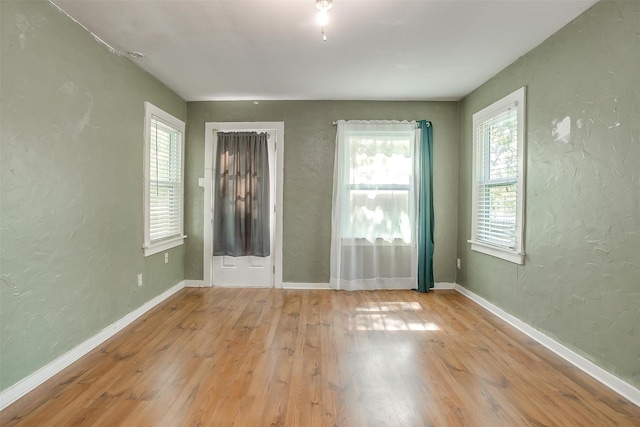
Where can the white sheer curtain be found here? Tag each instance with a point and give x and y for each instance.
(374, 232)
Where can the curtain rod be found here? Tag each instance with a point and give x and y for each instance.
(244, 130)
(428, 123)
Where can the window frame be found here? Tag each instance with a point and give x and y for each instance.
(515, 254)
(151, 247)
(410, 188)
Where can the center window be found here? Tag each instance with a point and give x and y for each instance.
(380, 192)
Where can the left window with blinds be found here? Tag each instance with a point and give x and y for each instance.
(164, 180)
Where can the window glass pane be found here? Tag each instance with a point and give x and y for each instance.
(497, 214)
(499, 139)
(164, 211)
(380, 214)
(165, 159)
(380, 159)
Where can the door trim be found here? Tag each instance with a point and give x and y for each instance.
(209, 128)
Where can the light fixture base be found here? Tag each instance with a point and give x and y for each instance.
(324, 4)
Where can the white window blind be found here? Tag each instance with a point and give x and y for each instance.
(498, 174)
(164, 188)
(165, 181)
(497, 167)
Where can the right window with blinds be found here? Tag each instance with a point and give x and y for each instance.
(498, 178)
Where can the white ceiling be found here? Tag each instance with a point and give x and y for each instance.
(273, 49)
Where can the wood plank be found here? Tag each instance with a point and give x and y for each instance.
(252, 357)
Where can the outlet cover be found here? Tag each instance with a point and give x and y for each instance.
(140, 279)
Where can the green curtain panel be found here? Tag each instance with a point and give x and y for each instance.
(425, 208)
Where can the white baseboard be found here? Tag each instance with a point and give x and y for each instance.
(237, 286)
(24, 386)
(311, 286)
(193, 283)
(443, 285)
(305, 286)
(614, 383)
(321, 286)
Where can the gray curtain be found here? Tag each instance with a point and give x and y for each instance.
(241, 217)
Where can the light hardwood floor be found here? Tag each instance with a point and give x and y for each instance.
(250, 357)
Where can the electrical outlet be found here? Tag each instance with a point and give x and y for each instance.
(166, 257)
(459, 263)
(140, 279)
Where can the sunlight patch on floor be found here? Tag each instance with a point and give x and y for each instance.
(390, 306)
(389, 316)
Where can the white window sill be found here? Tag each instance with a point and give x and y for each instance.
(508, 255)
(163, 245)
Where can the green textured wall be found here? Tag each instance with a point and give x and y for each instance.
(580, 282)
(308, 175)
(71, 187)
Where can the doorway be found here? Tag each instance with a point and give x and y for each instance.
(244, 271)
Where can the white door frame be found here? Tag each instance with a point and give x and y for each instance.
(276, 250)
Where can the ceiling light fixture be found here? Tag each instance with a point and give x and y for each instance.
(135, 55)
(323, 17)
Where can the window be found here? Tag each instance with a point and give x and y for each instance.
(164, 189)
(379, 194)
(373, 223)
(498, 178)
